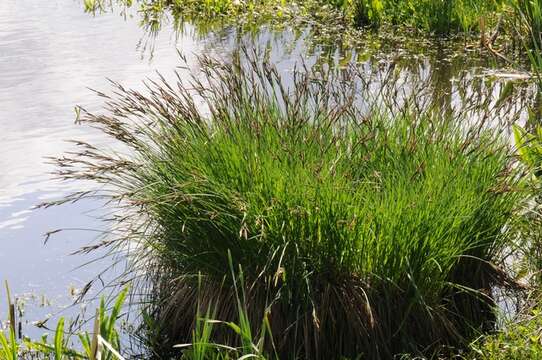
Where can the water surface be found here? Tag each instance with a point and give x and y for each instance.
(51, 52)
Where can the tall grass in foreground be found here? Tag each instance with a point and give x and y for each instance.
(359, 231)
(101, 344)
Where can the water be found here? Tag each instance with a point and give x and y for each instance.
(51, 52)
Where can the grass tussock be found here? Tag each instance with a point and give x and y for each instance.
(357, 230)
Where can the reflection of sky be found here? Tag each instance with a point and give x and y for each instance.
(51, 52)
(34, 269)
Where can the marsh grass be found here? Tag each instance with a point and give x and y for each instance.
(442, 17)
(437, 16)
(251, 345)
(530, 21)
(361, 230)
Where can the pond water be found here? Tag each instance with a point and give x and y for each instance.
(51, 53)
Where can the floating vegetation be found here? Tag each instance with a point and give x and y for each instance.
(436, 16)
(478, 29)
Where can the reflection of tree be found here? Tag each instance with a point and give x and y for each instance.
(327, 29)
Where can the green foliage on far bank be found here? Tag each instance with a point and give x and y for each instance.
(439, 16)
(432, 16)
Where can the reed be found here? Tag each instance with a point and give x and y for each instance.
(530, 15)
(437, 16)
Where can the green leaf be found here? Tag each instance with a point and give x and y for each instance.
(84, 338)
(59, 339)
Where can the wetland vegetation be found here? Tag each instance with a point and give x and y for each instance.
(321, 212)
(493, 22)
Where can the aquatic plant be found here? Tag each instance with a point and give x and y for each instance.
(529, 148)
(528, 32)
(435, 16)
(439, 16)
(251, 345)
(520, 339)
(530, 15)
(102, 344)
(359, 230)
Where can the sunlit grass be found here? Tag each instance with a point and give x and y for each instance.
(357, 231)
(439, 16)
